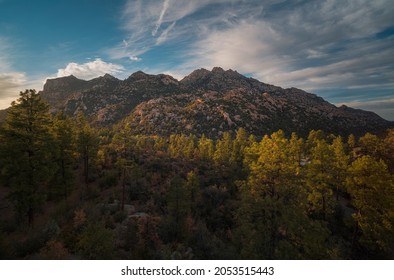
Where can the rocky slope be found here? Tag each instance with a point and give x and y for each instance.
(208, 102)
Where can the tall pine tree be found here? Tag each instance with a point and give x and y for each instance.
(26, 152)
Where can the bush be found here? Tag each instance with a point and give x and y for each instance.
(37, 240)
(96, 242)
(54, 250)
(109, 179)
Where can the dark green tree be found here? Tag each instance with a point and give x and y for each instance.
(26, 152)
(64, 155)
(178, 204)
(340, 165)
(371, 187)
(193, 188)
(88, 144)
(237, 152)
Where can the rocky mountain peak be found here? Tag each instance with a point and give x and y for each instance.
(139, 75)
(109, 77)
(196, 75)
(219, 80)
(105, 80)
(217, 70)
(63, 83)
(202, 75)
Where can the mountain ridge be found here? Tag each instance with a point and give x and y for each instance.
(204, 102)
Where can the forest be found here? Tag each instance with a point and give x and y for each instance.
(69, 190)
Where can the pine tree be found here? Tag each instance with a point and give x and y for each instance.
(88, 143)
(178, 204)
(124, 145)
(64, 135)
(223, 150)
(389, 142)
(205, 148)
(372, 145)
(372, 190)
(26, 152)
(237, 151)
(340, 164)
(193, 187)
(272, 219)
(319, 177)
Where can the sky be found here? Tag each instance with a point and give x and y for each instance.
(342, 50)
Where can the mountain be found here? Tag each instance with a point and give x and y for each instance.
(106, 98)
(208, 102)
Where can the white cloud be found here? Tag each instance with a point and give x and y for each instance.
(246, 47)
(91, 69)
(135, 58)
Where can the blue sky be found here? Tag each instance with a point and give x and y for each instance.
(342, 50)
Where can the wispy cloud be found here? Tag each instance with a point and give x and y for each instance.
(89, 70)
(160, 19)
(150, 23)
(5, 50)
(314, 45)
(302, 45)
(163, 36)
(309, 44)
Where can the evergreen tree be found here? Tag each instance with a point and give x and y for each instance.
(389, 142)
(223, 150)
(371, 187)
(193, 187)
(205, 148)
(319, 177)
(26, 152)
(340, 164)
(123, 143)
(237, 151)
(88, 143)
(64, 135)
(178, 204)
(296, 150)
(272, 219)
(372, 145)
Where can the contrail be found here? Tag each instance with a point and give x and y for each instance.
(160, 20)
